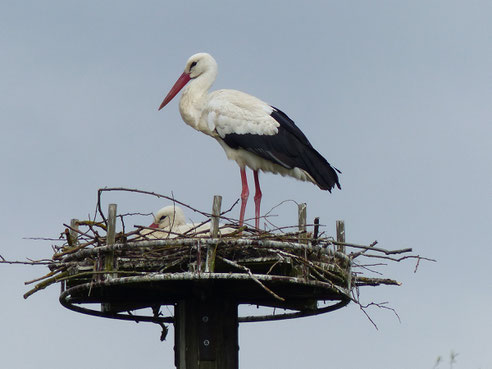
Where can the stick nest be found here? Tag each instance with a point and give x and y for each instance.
(83, 255)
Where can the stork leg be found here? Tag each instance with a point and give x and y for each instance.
(244, 195)
(258, 195)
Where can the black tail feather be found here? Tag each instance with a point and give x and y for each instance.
(323, 173)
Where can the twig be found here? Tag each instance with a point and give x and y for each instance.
(387, 252)
(96, 272)
(73, 249)
(367, 316)
(85, 234)
(232, 207)
(399, 259)
(98, 206)
(91, 223)
(380, 305)
(313, 266)
(31, 262)
(247, 270)
(355, 254)
(365, 281)
(44, 284)
(42, 239)
(107, 189)
(44, 277)
(418, 262)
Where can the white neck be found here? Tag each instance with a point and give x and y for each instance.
(194, 98)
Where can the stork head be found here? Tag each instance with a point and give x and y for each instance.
(167, 217)
(200, 63)
(196, 66)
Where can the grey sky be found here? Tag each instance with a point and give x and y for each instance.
(396, 95)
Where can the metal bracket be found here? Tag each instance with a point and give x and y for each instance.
(206, 333)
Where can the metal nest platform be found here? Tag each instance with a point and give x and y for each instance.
(149, 274)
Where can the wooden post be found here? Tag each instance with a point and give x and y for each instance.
(110, 240)
(74, 236)
(301, 209)
(316, 231)
(206, 333)
(110, 237)
(341, 248)
(214, 225)
(72, 241)
(341, 235)
(302, 216)
(214, 232)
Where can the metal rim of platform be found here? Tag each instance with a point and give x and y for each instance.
(65, 296)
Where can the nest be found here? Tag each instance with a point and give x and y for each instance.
(280, 268)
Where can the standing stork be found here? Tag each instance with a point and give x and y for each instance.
(253, 133)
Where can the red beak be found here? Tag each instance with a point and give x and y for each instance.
(154, 225)
(180, 83)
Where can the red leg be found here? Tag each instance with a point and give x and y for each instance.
(244, 196)
(257, 200)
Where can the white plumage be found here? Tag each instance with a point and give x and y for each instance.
(170, 222)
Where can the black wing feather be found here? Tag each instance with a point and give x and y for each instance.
(289, 148)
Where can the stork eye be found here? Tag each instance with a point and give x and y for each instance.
(162, 218)
(192, 65)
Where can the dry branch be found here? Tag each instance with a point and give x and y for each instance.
(247, 270)
(45, 283)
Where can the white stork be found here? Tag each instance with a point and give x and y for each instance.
(170, 222)
(253, 133)
(169, 218)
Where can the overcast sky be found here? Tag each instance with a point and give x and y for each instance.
(395, 94)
